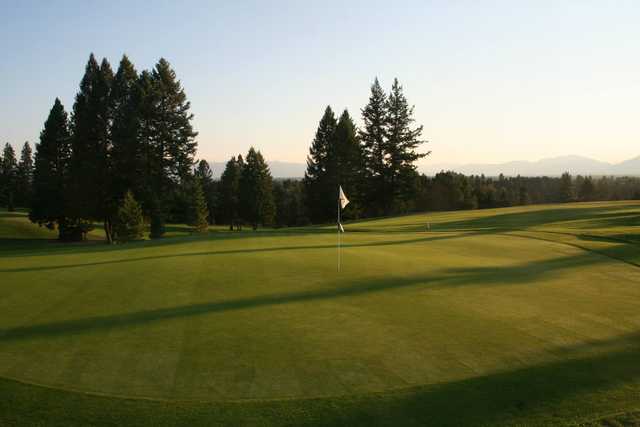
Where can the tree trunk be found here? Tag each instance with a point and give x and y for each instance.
(108, 230)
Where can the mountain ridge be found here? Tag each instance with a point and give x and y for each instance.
(550, 166)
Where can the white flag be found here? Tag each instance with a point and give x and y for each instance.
(342, 198)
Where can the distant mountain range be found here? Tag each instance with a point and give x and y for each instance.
(554, 166)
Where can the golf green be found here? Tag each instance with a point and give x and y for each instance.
(517, 315)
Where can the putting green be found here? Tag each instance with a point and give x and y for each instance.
(240, 317)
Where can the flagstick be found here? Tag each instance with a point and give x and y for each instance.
(339, 238)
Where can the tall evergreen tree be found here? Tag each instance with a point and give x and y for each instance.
(90, 187)
(205, 175)
(374, 138)
(256, 191)
(25, 175)
(198, 211)
(400, 149)
(318, 190)
(52, 159)
(155, 186)
(346, 166)
(229, 191)
(167, 138)
(8, 176)
(126, 151)
(175, 134)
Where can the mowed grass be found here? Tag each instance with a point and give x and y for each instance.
(527, 315)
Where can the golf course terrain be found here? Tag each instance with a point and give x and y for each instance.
(514, 316)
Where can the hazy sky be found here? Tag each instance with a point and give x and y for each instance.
(491, 81)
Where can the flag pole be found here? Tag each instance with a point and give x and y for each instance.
(338, 227)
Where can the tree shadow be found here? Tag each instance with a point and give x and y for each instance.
(588, 381)
(42, 246)
(494, 276)
(421, 239)
(530, 393)
(536, 218)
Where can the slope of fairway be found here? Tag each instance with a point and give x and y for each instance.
(519, 315)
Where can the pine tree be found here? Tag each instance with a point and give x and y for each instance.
(25, 175)
(167, 140)
(335, 158)
(318, 191)
(126, 151)
(8, 176)
(374, 140)
(90, 186)
(154, 184)
(204, 174)
(256, 191)
(52, 158)
(199, 214)
(129, 221)
(346, 155)
(175, 135)
(400, 150)
(229, 189)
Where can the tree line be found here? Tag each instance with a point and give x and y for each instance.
(449, 190)
(453, 191)
(15, 176)
(125, 158)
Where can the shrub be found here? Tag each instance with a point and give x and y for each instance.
(129, 223)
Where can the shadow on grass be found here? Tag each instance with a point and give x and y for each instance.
(551, 394)
(237, 251)
(625, 251)
(603, 216)
(536, 218)
(577, 388)
(12, 247)
(628, 238)
(492, 276)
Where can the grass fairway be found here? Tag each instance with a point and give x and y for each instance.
(526, 315)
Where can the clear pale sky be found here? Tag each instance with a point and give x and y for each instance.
(491, 81)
